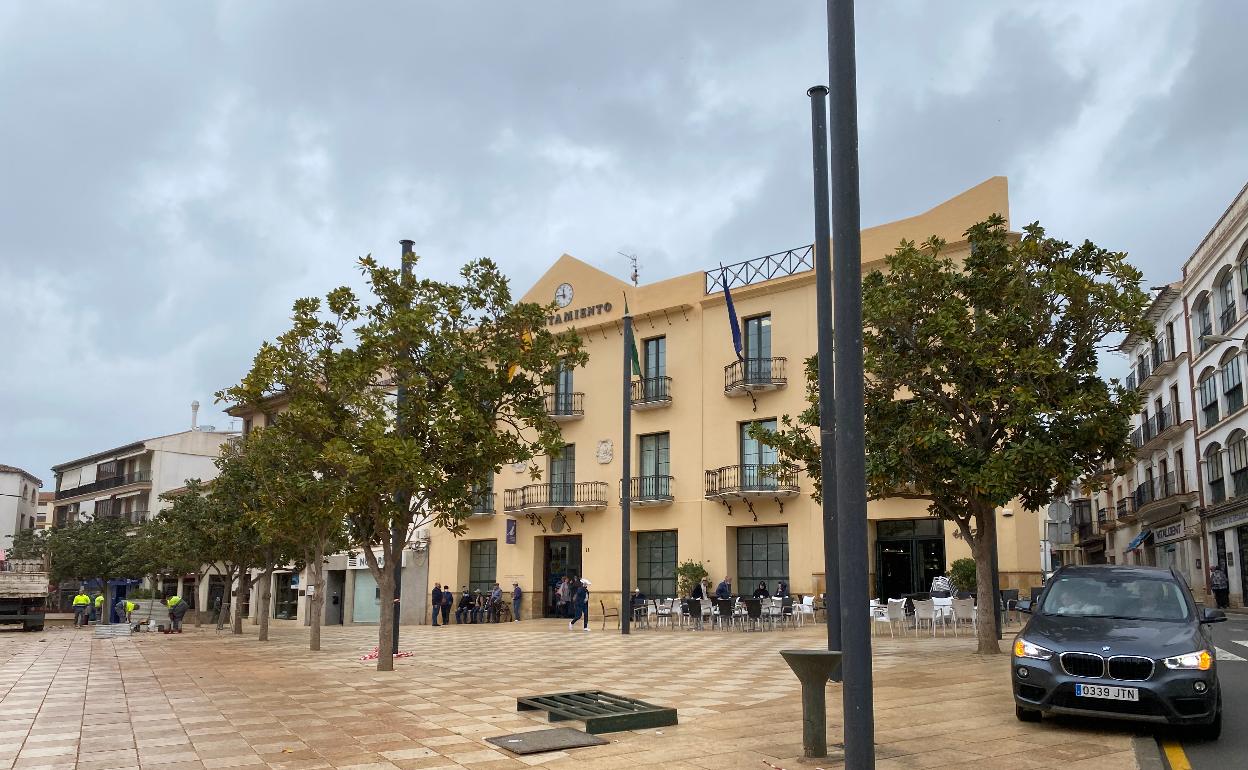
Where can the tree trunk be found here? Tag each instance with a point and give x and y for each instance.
(983, 546)
(199, 611)
(385, 589)
(242, 584)
(266, 591)
(316, 573)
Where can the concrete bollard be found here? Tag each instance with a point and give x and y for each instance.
(813, 667)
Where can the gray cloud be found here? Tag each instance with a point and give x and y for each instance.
(174, 175)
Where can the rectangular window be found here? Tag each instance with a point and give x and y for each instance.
(1208, 401)
(654, 357)
(285, 596)
(758, 348)
(1238, 450)
(1226, 298)
(656, 564)
(482, 565)
(655, 465)
(1203, 323)
(563, 474)
(1213, 472)
(1243, 282)
(1233, 386)
(762, 556)
(757, 459)
(563, 389)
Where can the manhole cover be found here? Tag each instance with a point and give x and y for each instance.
(539, 741)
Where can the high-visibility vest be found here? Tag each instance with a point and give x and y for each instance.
(131, 606)
(82, 600)
(99, 601)
(174, 601)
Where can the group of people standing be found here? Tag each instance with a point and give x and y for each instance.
(474, 606)
(572, 600)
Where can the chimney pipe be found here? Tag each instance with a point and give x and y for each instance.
(194, 414)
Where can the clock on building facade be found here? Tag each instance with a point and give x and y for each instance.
(563, 295)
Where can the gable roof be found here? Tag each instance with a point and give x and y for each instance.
(19, 471)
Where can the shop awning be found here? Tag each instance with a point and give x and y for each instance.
(1139, 539)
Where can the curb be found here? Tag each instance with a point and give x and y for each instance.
(1148, 754)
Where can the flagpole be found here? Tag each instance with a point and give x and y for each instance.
(626, 461)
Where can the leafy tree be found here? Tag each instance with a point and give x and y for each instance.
(981, 379)
(688, 574)
(29, 544)
(962, 574)
(474, 365)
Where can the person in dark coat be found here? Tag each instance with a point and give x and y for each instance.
(437, 602)
(761, 591)
(724, 589)
(464, 609)
(581, 602)
(782, 589)
(448, 599)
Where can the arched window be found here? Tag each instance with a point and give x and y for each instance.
(1232, 382)
(1242, 269)
(1214, 474)
(1208, 392)
(1237, 453)
(1226, 301)
(1202, 320)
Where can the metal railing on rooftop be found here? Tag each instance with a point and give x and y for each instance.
(764, 268)
(138, 477)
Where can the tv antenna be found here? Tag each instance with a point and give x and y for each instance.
(631, 258)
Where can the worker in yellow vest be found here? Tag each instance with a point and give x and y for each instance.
(177, 609)
(99, 608)
(82, 607)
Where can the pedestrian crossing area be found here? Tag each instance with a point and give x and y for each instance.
(1224, 655)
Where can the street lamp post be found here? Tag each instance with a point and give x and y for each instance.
(401, 498)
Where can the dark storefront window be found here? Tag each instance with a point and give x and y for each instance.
(285, 595)
(909, 553)
(482, 565)
(762, 555)
(656, 564)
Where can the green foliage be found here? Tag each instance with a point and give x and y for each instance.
(962, 574)
(93, 549)
(29, 544)
(688, 574)
(981, 377)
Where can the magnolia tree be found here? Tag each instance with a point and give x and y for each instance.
(472, 365)
(981, 379)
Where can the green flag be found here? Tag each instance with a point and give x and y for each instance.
(632, 346)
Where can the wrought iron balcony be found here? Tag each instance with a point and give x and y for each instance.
(482, 504)
(759, 269)
(1130, 383)
(1154, 495)
(1162, 353)
(138, 477)
(738, 482)
(652, 392)
(649, 491)
(1124, 509)
(563, 407)
(557, 496)
(754, 374)
(1226, 319)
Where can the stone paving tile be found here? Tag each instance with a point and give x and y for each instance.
(204, 700)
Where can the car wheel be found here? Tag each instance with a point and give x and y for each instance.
(1026, 715)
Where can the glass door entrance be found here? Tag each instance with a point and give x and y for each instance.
(562, 558)
(909, 554)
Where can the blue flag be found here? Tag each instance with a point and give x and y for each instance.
(732, 314)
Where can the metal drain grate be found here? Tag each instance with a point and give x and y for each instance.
(602, 712)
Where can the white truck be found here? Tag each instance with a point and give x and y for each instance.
(23, 593)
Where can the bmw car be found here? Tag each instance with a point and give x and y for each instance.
(1120, 642)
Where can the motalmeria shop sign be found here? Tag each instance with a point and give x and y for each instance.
(568, 316)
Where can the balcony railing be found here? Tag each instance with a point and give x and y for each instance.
(1226, 319)
(138, 477)
(1124, 509)
(759, 269)
(650, 490)
(752, 374)
(651, 392)
(482, 504)
(1142, 369)
(565, 406)
(577, 496)
(1162, 353)
(1130, 383)
(741, 481)
(1160, 488)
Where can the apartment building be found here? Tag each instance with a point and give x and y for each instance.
(127, 481)
(43, 513)
(700, 487)
(19, 500)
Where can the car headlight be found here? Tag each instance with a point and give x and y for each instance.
(1025, 649)
(1200, 660)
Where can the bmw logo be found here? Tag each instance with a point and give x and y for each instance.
(1104, 649)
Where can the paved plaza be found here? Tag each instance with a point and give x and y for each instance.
(209, 700)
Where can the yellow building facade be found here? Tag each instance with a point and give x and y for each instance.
(701, 489)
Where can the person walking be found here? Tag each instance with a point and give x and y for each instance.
(82, 608)
(516, 596)
(1221, 586)
(464, 608)
(436, 603)
(448, 599)
(580, 600)
(177, 611)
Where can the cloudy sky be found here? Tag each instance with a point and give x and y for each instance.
(172, 175)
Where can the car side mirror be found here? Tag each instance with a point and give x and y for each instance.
(1212, 616)
(1023, 605)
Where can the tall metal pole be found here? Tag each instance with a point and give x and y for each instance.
(397, 535)
(626, 502)
(851, 478)
(827, 403)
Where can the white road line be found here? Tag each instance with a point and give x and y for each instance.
(1224, 656)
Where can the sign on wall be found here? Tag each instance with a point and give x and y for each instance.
(511, 532)
(1172, 531)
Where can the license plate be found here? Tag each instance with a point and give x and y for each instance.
(1109, 693)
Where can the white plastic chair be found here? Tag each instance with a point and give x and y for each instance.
(963, 612)
(804, 610)
(925, 612)
(896, 614)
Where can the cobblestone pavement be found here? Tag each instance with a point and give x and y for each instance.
(209, 700)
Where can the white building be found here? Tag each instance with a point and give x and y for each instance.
(1216, 295)
(127, 481)
(19, 499)
(43, 514)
